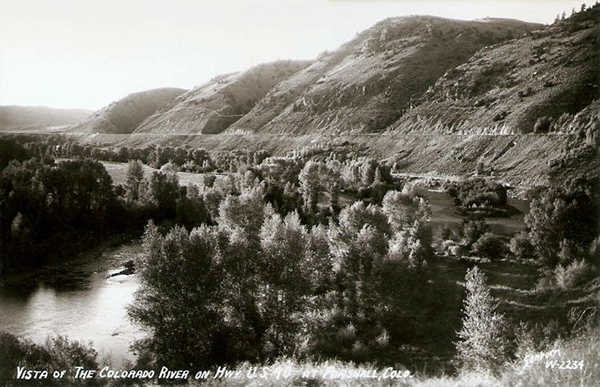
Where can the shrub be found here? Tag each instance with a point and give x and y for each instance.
(473, 229)
(489, 246)
(542, 125)
(576, 273)
(57, 353)
(521, 246)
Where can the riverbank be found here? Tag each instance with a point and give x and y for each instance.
(73, 272)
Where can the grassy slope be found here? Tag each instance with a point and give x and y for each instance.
(125, 115)
(215, 105)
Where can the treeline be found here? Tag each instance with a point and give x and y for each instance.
(563, 233)
(49, 209)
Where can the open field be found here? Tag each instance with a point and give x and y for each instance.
(118, 173)
(445, 213)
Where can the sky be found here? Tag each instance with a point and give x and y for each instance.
(88, 53)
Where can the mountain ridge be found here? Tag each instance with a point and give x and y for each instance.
(365, 84)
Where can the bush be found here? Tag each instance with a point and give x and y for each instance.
(473, 229)
(576, 273)
(57, 353)
(489, 246)
(521, 246)
(542, 125)
(478, 194)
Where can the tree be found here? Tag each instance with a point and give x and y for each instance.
(179, 298)
(285, 280)
(135, 179)
(558, 214)
(482, 345)
(310, 185)
(164, 192)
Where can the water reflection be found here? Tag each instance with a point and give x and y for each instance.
(89, 309)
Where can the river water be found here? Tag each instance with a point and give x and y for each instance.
(93, 308)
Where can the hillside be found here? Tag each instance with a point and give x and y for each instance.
(38, 118)
(124, 116)
(215, 105)
(538, 83)
(431, 96)
(367, 83)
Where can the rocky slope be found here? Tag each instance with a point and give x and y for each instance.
(40, 118)
(369, 82)
(537, 83)
(215, 105)
(124, 115)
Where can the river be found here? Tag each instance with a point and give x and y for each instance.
(86, 304)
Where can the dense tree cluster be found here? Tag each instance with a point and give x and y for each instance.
(478, 195)
(563, 222)
(258, 285)
(48, 209)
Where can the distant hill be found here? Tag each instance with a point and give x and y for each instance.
(38, 118)
(215, 105)
(124, 115)
(368, 83)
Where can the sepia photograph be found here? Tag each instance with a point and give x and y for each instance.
(325, 193)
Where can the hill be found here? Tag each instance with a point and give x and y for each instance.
(431, 96)
(38, 118)
(124, 116)
(537, 83)
(369, 82)
(215, 105)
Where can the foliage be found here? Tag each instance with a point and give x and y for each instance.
(472, 230)
(521, 247)
(57, 353)
(564, 220)
(179, 297)
(489, 246)
(482, 344)
(478, 195)
(10, 150)
(135, 179)
(163, 191)
(48, 208)
(574, 274)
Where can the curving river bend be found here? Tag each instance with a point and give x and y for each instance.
(86, 304)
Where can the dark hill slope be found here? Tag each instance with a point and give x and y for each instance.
(369, 82)
(17, 118)
(215, 105)
(546, 78)
(124, 115)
